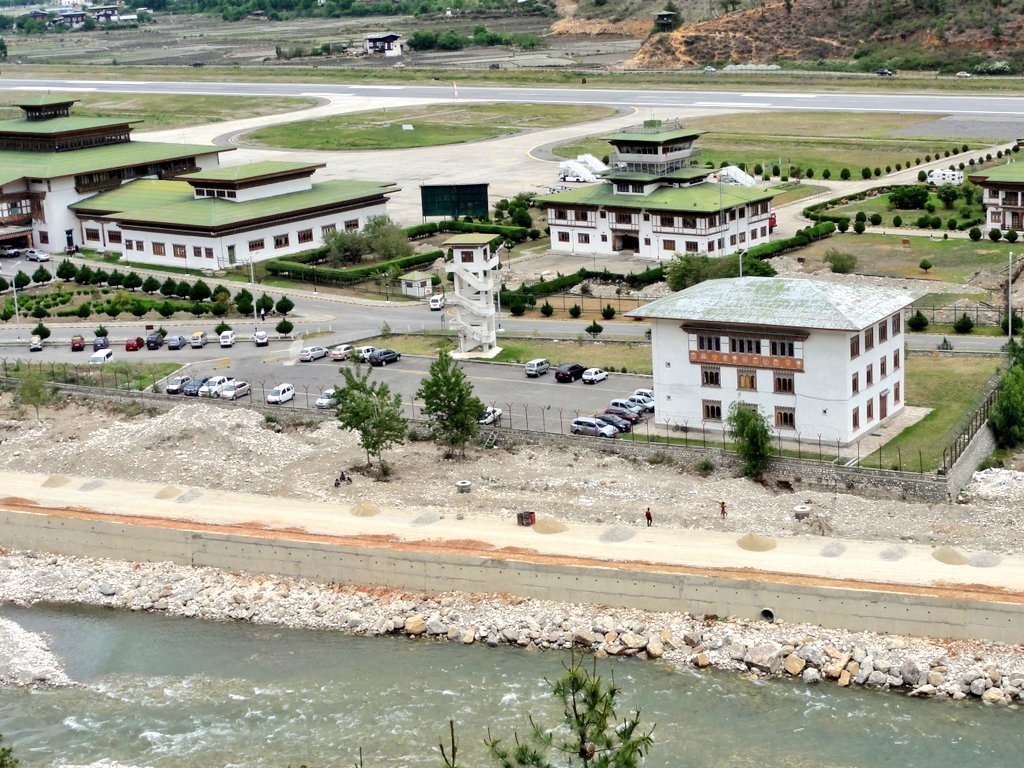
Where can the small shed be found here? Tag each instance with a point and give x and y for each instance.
(388, 43)
(665, 21)
(417, 285)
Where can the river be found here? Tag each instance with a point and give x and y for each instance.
(165, 691)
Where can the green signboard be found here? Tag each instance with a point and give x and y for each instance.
(454, 200)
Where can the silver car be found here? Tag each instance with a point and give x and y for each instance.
(235, 389)
(587, 425)
(328, 399)
(32, 254)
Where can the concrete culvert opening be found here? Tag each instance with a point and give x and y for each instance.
(767, 614)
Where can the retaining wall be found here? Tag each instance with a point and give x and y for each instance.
(981, 445)
(877, 611)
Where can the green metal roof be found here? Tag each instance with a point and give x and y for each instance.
(219, 213)
(413, 276)
(19, 164)
(55, 125)
(1013, 172)
(471, 238)
(251, 171)
(655, 137)
(45, 100)
(699, 198)
(135, 195)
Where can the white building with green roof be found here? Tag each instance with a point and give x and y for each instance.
(656, 201)
(50, 159)
(818, 359)
(1003, 197)
(224, 216)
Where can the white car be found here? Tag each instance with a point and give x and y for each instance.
(342, 352)
(282, 393)
(234, 389)
(963, 74)
(594, 375)
(328, 399)
(437, 302)
(101, 357)
(227, 339)
(32, 254)
(309, 354)
(364, 353)
(261, 339)
(214, 386)
(643, 402)
(648, 393)
(491, 416)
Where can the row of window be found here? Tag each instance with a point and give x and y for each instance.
(869, 372)
(785, 417)
(689, 246)
(783, 382)
(869, 408)
(743, 345)
(685, 222)
(229, 193)
(895, 322)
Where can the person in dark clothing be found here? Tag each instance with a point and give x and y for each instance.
(649, 517)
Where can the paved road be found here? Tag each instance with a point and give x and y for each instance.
(701, 99)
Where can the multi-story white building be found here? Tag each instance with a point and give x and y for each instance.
(472, 302)
(1003, 196)
(656, 201)
(818, 359)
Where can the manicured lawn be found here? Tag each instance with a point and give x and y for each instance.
(160, 111)
(880, 204)
(432, 125)
(953, 260)
(789, 192)
(951, 386)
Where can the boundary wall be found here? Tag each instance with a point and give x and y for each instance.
(876, 610)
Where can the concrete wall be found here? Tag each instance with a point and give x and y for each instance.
(894, 613)
(981, 445)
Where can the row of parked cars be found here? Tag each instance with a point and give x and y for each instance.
(620, 416)
(225, 388)
(156, 340)
(29, 254)
(567, 372)
(370, 355)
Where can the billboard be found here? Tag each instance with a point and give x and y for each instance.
(454, 200)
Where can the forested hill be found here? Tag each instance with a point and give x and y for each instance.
(233, 10)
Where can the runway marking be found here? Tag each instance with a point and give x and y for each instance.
(315, 95)
(381, 87)
(729, 104)
(38, 88)
(780, 95)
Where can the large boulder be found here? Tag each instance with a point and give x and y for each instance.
(794, 665)
(416, 625)
(766, 657)
(913, 672)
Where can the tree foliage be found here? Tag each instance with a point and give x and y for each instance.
(590, 734)
(35, 393)
(451, 406)
(688, 269)
(840, 262)
(947, 194)
(7, 758)
(369, 409)
(1006, 417)
(749, 429)
(911, 197)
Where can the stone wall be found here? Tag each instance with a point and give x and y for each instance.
(981, 445)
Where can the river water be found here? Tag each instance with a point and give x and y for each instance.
(164, 691)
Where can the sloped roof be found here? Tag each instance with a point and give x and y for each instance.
(707, 197)
(779, 301)
(250, 171)
(139, 194)
(55, 125)
(1011, 172)
(471, 238)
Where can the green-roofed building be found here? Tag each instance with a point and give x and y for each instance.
(1004, 196)
(51, 159)
(656, 200)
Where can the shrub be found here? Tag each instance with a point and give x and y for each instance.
(930, 207)
(101, 330)
(951, 224)
(876, 219)
(221, 327)
(865, 173)
(923, 221)
(284, 327)
(776, 171)
(974, 234)
(899, 166)
(963, 324)
(1011, 236)
(922, 176)
(906, 198)
(810, 173)
(758, 169)
(858, 227)
(861, 216)
(917, 322)
(594, 329)
(575, 311)
(1018, 323)
(925, 265)
(826, 174)
(608, 312)
(878, 171)
(844, 174)
(41, 331)
(839, 262)
(994, 234)
(704, 466)
(935, 222)
(546, 309)
(843, 225)
(888, 169)
(897, 221)
(517, 306)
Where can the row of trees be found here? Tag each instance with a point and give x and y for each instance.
(450, 40)
(1007, 414)
(380, 236)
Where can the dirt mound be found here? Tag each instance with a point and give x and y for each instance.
(167, 492)
(753, 542)
(56, 481)
(549, 525)
(949, 556)
(366, 509)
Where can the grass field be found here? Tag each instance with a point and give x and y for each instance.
(123, 375)
(880, 204)
(432, 125)
(793, 191)
(952, 260)
(950, 386)
(162, 111)
(809, 140)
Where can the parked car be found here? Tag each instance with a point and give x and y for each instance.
(192, 388)
(384, 356)
(621, 402)
(621, 424)
(77, 343)
(594, 375)
(309, 354)
(35, 344)
(100, 342)
(436, 302)
(328, 399)
(101, 357)
(227, 339)
(491, 416)
(177, 385)
(176, 342)
(33, 254)
(537, 368)
(261, 339)
(648, 393)
(342, 352)
(883, 72)
(282, 393)
(709, 70)
(198, 340)
(642, 402)
(9, 252)
(213, 386)
(364, 353)
(569, 372)
(134, 343)
(155, 340)
(629, 415)
(588, 425)
(963, 74)
(234, 389)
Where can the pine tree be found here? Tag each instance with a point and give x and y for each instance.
(370, 409)
(451, 406)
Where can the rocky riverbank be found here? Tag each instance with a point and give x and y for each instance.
(993, 673)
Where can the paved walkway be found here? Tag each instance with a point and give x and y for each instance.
(792, 558)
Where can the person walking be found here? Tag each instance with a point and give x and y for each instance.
(721, 507)
(649, 517)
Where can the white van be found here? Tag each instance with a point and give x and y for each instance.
(198, 340)
(363, 353)
(227, 339)
(437, 302)
(101, 357)
(537, 367)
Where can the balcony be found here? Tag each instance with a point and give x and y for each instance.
(746, 361)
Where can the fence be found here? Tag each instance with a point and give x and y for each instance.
(959, 437)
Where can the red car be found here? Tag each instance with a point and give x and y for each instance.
(134, 344)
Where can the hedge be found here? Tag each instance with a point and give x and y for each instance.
(297, 269)
(799, 240)
(563, 282)
(517, 234)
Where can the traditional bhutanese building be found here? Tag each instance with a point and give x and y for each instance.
(1003, 198)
